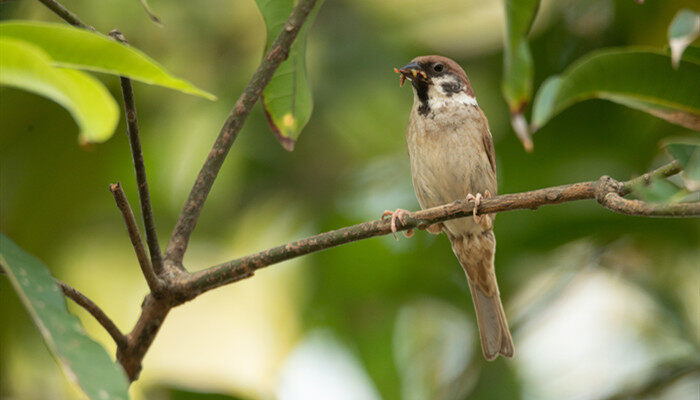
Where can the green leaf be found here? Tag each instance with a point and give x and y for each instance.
(83, 360)
(684, 29)
(687, 152)
(287, 98)
(638, 78)
(518, 67)
(81, 49)
(545, 100)
(28, 67)
(517, 59)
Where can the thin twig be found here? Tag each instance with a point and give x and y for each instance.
(278, 52)
(154, 283)
(95, 311)
(610, 193)
(244, 267)
(669, 169)
(614, 202)
(139, 168)
(67, 16)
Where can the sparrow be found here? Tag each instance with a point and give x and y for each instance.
(452, 157)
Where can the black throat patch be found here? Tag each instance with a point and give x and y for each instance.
(422, 92)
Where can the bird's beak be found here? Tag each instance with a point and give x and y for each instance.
(411, 71)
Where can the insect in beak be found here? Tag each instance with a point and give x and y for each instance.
(414, 70)
(403, 77)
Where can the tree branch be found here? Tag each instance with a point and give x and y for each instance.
(139, 340)
(67, 16)
(155, 310)
(89, 306)
(154, 283)
(278, 52)
(614, 202)
(132, 132)
(95, 311)
(245, 267)
(610, 193)
(133, 348)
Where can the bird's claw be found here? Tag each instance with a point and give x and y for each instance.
(484, 220)
(401, 215)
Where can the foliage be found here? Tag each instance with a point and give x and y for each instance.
(32, 52)
(636, 78)
(77, 48)
(83, 360)
(518, 66)
(287, 98)
(28, 67)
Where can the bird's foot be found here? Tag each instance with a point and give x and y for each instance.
(483, 220)
(401, 215)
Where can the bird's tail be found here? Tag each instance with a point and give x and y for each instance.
(476, 252)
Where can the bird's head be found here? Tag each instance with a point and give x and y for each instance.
(436, 79)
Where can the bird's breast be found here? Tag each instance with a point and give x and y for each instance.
(448, 159)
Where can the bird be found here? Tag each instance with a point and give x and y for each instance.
(453, 158)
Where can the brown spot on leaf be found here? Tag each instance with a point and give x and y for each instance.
(286, 142)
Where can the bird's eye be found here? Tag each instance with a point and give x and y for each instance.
(438, 67)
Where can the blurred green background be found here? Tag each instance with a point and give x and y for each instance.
(597, 302)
